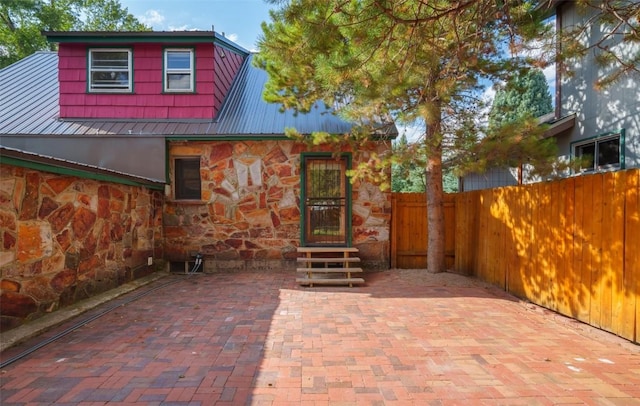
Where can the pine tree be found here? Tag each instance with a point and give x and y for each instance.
(411, 61)
(524, 96)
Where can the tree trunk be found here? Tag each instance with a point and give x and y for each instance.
(435, 195)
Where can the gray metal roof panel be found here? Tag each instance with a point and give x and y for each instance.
(29, 106)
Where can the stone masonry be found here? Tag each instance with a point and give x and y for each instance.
(66, 238)
(249, 216)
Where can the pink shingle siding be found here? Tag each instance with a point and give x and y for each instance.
(213, 79)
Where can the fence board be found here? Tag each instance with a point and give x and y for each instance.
(409, 230)
(570, 245)
(631, 309)
(595, 238)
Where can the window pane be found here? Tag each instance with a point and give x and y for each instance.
(178, 60)
(609, 152)
(110, 79)
(109, 70)
(104, 59)
(187, 178)
(586, 153)
(177, 81)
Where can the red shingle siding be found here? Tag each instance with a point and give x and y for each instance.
(147, 99)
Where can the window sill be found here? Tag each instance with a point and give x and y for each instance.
(187, 202)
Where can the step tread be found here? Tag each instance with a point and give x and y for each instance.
(333, 259)
(329, 281)
(328, 270)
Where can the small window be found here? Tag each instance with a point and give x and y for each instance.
(603, 153)
(110, 70)
(178, 70)
(187, 178)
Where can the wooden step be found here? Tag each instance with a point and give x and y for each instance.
(329, 281)
(316, 250)
(328, 270)
(333, 259)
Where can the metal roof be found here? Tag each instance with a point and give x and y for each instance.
(13, 156)
(29, 106)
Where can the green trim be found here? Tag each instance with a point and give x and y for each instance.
(86, 174)
(141, 37)
(233, 138)
(303, 193)
(164, 69)
(595, 138)
(131, 79)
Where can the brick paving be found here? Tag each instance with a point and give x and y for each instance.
(403, 338)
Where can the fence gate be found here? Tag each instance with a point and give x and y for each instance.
(409, 230)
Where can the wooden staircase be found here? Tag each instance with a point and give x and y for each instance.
(328, 266)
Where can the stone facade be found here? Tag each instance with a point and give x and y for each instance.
(66, 238)
(249, 215)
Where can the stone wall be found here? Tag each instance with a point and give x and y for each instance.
(65, 238)
(249, 216)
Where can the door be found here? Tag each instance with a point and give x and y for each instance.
(325, 201)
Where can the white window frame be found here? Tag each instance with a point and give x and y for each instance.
(97, 88)
(595, 142)
(191, 71)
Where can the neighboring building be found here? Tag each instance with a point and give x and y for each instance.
(600, 125)
(182, 110)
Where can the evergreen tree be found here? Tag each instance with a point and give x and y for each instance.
(22, 21)
(412, 60)
(523, 96)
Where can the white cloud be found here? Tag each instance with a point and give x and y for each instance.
(152, 18)
(181, 28)
(233, 37)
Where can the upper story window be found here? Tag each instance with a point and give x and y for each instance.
(179, 72)
(601, 153)
(110, 70)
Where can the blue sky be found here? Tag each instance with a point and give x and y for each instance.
(239, 20)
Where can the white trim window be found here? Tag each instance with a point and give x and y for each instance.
(179, 72)
(599, 154)
(110, 70)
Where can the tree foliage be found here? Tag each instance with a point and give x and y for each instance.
(525, 95)
(410, 60)
(616, 44)
(22, 21)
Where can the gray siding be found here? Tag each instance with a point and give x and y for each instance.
(598, 112)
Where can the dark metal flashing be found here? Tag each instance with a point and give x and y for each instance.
(12, 156)
(556, 126)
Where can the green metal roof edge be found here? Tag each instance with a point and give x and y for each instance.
(231, 138)
(85, 174)
(127, 37)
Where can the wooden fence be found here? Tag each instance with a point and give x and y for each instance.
(572, 245)
(409, 230)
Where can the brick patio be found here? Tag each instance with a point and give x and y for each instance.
(405, 337)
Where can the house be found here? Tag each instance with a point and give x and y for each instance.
(600, 126)
(163, 148)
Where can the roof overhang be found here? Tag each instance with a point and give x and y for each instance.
(17, 157)
(131, 37)
(556, 126)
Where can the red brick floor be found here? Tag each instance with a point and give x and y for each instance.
(403, 338)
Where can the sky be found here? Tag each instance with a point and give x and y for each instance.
(239, 20)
